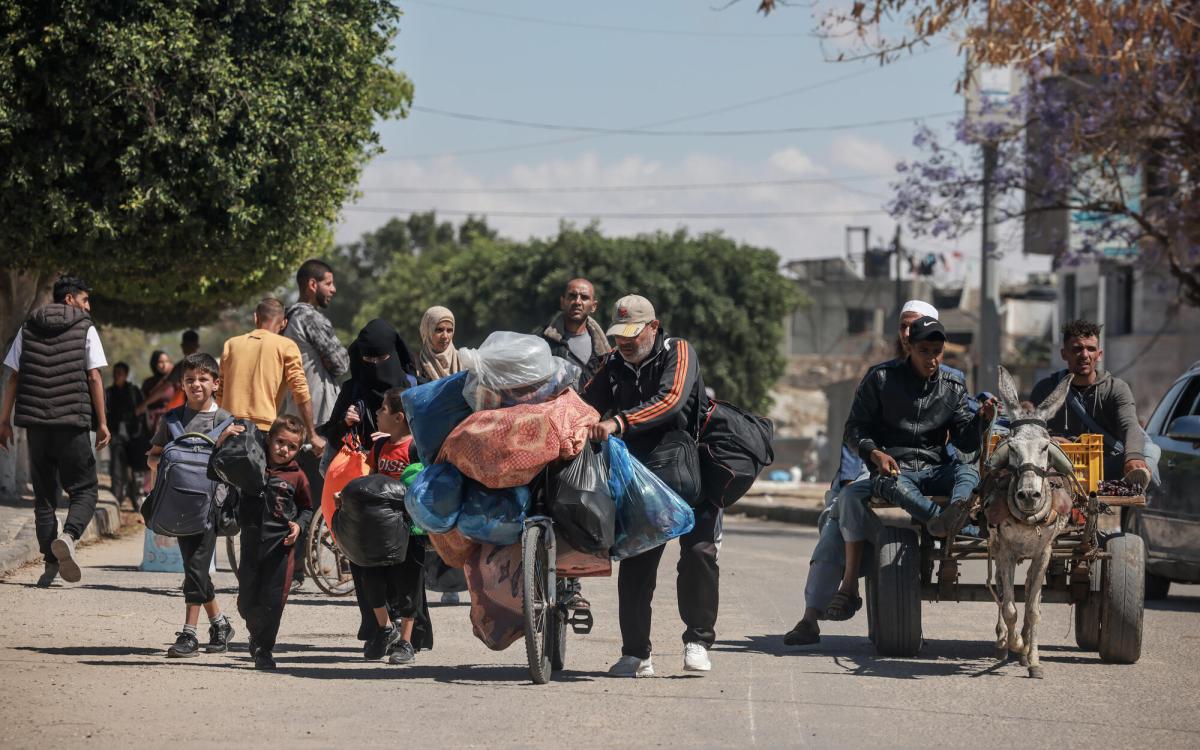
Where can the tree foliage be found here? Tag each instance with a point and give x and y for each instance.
(727, 299)
(183, 156)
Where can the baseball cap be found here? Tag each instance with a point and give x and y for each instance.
(630, 315)
(926, 329)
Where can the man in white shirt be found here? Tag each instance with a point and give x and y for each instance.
(58, 396)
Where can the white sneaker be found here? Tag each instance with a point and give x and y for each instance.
(695, 658)
(631, 666)
(64, 549)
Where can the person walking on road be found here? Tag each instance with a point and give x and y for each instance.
(58, 396)
(439, 359)
(649, 387)
(573, 334)
(325, 361)
(121, 400)
(258, 367)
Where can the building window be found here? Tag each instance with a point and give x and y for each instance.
(859, 320)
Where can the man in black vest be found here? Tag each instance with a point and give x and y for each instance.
(59, 398)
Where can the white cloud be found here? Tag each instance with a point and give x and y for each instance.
(865, 155)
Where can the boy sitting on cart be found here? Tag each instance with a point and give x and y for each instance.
(903, 413)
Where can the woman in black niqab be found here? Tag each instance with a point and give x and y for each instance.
(379, 360)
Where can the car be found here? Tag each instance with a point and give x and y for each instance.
(1170, 522)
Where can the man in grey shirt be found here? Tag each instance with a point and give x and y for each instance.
(325, 362)
(1098, 400)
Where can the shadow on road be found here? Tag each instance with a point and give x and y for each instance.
(93, 650)
(1175, 604)
(941, 658)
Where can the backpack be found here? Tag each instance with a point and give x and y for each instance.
(735, 446)
(181, 503)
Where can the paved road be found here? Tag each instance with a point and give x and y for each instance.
(84, 664)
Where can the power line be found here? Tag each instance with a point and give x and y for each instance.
(669, 187)
(618, 215)
(612, 27)
(677, 133)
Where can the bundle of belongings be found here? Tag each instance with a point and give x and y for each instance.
(507, 427)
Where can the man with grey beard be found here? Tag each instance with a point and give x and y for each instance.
(649, 390)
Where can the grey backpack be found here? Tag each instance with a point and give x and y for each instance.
(181, 503)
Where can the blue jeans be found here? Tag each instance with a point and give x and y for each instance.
(908, 490)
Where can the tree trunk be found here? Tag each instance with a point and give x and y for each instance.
(20, 293)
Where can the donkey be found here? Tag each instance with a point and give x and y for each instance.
(1026, 510)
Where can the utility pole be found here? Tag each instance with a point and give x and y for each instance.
(987, 375)
(898, 249)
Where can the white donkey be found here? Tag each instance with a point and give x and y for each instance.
(1026, 510)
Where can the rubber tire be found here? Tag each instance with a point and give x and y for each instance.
(871, 607)
(897, 592)
(537, 644)
(1157, 587)
(558, 641)
(1087, 615)
(1123, 589)
(312, 545)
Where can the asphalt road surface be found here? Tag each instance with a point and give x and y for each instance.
(84, 665)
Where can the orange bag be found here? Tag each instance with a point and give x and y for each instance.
(454, 548)
(495, 579)
(349, 463)
(502, 448)
(571, 563)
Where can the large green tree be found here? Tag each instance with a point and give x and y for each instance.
(726, 298)
(181, 155)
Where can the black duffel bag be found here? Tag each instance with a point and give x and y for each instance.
(583, 509)
(241, 461)
(675, 461)
(735, 446)
(371, 527)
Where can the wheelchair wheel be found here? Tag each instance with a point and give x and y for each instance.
(539, 606)
(324, 562)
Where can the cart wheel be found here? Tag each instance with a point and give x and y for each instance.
(1087, 615)
(538, 606)
(872, 608)
(231, 550)
(324, 562)
(1122, 589)
(897, 593)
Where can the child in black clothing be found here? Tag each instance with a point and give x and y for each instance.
(393, 592)
(270, 523)
(199, 413)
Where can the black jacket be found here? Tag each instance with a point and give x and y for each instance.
(910, 418)
(663, 393)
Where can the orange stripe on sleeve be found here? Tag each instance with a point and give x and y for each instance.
(672, 397)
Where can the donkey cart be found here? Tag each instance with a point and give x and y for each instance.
(1102, 574)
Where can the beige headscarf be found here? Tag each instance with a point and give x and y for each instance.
(433, 365)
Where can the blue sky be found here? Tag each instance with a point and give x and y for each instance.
(628, 64)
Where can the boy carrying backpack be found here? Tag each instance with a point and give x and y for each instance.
(182, 502)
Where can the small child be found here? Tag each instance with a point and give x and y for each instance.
(270, 523)
(199, 413)
(401, 587)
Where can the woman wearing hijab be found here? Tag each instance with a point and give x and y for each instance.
(379, 361)
(439, 359)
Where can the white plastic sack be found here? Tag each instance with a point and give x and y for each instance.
(514, 368)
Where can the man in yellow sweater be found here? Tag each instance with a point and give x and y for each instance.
(256, 368)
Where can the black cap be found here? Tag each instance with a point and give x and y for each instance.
(926, 329)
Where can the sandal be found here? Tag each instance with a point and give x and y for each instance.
(804, 634)
(843, 606)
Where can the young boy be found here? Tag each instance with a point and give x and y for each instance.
(121, 400)
(401, 587)
(199, 413)
(270, 523)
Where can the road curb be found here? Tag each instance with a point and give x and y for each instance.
(107, 522)
(804, 515)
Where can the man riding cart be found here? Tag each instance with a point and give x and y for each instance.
(904, 415)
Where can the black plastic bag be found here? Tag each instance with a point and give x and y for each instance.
(583, 509)
(241, 461)
(371, 527)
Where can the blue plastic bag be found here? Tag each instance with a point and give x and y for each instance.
(649, 513)
(435, 498)
(493, 516)
(433, 410)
